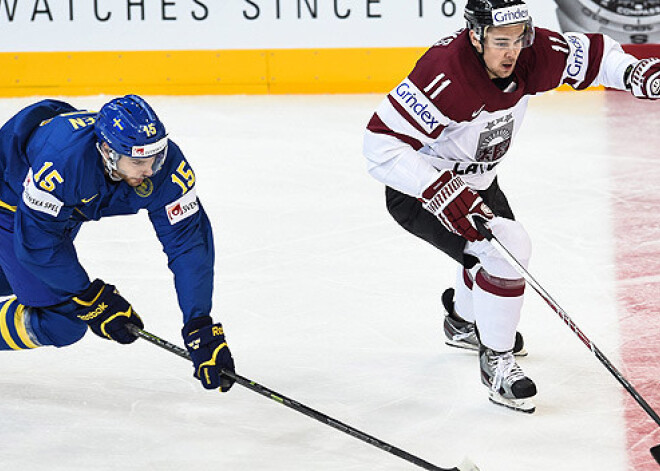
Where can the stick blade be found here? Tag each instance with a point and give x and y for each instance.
(655, 451)
(467, 465)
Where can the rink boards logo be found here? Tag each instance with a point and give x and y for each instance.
(417, 105)
(39, 200)
(182, 208)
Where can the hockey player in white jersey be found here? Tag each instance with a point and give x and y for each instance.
(436, 141)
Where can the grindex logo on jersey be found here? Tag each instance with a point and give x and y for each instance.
(575, 64)
(418, 106)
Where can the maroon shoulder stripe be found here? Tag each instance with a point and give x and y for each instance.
(377, 126)
(412, 122)
(596, 50)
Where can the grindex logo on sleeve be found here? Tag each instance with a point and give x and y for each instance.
(418, 106)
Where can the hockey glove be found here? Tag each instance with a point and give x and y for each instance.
(210, 354)
(643, 79)
(107, 312)
(455, 205)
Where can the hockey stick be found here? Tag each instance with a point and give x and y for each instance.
(486, 232)
(467, 465)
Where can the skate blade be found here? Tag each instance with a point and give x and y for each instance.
(462, 345)
(475, 348)
(467, 465)
(520, 405)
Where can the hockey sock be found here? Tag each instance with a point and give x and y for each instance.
(497, 305)
(15, 333)
(463, 305)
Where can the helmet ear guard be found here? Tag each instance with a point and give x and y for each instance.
(110, 160)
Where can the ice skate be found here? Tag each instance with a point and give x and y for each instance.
(508, 385)
(463, 334)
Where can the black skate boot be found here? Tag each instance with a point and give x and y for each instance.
(508, 385)
(463, 334)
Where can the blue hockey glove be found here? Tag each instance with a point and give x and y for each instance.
(107, 312)
(208, 349)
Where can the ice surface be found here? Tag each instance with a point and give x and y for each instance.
(326, 300)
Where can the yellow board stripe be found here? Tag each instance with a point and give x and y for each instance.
(20, 327)
(258, 71)
(206, 72)
(4, 329)
(6, 206)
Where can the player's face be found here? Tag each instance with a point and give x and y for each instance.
(501, 49)
(134, 171)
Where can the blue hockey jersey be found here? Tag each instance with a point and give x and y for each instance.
(52, 179)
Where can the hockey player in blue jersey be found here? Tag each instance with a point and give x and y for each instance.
(60, 167)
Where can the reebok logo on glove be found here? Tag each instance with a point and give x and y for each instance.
(96, 312)
(205, 341)
(106, 312)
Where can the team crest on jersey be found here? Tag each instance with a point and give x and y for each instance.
(145, 188)
(495, 141)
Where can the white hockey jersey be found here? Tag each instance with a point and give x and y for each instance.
(448, 114)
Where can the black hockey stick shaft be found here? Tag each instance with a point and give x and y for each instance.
(303, 409)
(487, 233)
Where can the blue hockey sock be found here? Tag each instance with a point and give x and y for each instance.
(15, 330)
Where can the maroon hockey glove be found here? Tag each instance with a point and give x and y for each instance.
(456, 205)
(107, 312)
(643, 79)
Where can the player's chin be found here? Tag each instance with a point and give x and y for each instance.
(134, 182)
(506, 70)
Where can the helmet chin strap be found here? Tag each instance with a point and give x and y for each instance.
(109, 164)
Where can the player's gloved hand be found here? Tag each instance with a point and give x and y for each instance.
(107, 312)
(208, 349)
(643, 79)
(456, 205)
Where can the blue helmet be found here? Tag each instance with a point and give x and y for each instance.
(130, 128)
